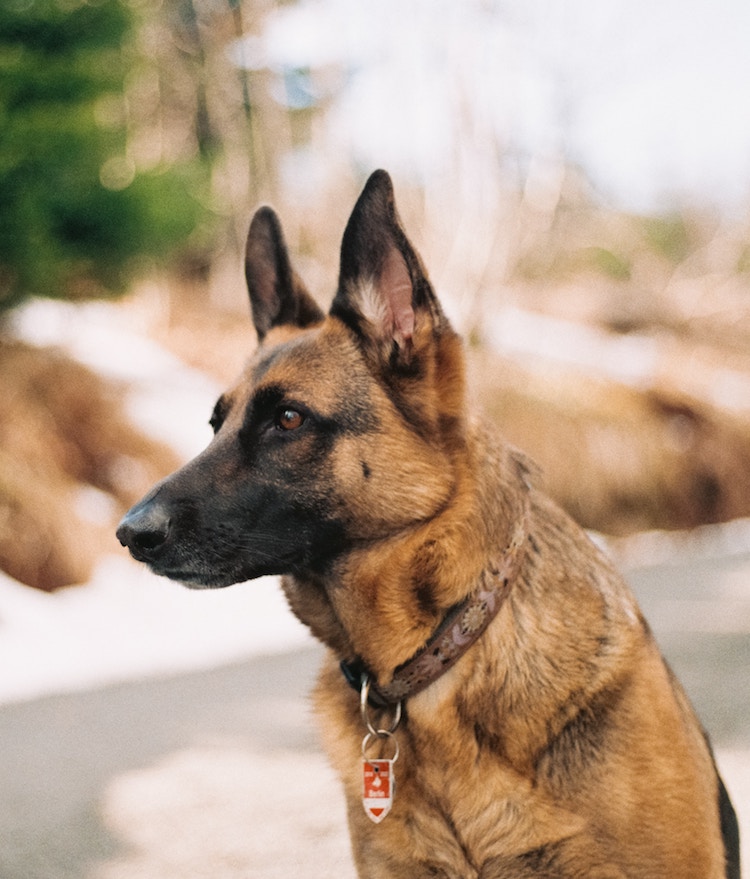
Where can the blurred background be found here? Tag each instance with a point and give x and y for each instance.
(577, 179)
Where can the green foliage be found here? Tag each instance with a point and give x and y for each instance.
(668, 236)
(75, 213)
(609, 263)
(743, 261)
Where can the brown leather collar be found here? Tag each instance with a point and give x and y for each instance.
(459, 630)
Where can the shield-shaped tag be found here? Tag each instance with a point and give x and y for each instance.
(377, 788)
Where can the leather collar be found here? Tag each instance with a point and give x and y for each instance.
(460, 629)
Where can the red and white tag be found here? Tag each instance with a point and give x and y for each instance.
(378, 787)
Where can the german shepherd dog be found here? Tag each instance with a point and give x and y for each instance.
(496, 652)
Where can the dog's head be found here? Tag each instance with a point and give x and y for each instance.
(343, 429)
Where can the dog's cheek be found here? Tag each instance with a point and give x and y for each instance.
(383, 484)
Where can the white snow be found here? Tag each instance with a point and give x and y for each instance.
(127, 623)
(167, 399)
(630, 359)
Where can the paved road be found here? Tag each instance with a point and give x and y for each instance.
(218, 774)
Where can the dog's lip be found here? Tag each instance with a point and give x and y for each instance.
(147, 557)
(182, 574)
(194, 579)
(192, 583)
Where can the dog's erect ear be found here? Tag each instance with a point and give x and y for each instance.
(277, 295)
(383, 291)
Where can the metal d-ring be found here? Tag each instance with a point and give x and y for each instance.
(364, 695)
(380, 734)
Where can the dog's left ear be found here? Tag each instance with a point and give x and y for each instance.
(277, 295)
(383, 293)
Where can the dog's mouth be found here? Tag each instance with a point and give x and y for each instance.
(193, 578)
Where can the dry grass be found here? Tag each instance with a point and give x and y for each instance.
(70, 463)
(620, 460)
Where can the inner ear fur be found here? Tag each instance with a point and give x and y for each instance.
(383, 290)
(277, 295)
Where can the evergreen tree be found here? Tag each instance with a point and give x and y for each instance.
(76, 214)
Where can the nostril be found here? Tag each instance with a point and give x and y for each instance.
(150, 539)
(144, 530)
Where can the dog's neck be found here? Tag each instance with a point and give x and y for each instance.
(460, 629)
(382, 605)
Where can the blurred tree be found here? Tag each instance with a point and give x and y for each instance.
(77, 211)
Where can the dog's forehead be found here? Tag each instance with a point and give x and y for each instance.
(316, 365)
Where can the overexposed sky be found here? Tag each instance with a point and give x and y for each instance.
(650, 98)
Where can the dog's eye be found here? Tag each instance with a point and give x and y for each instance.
(289, 419)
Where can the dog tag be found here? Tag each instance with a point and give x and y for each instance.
(378, 784)
(378, 780)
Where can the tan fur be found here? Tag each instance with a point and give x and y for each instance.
(479, 749)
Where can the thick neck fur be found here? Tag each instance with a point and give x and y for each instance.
(383, 603)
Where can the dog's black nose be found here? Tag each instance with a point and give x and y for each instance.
(144, 530)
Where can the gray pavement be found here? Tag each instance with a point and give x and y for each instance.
(218, 774)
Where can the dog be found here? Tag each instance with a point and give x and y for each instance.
(492, 698)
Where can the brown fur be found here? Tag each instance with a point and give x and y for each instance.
(559, 745)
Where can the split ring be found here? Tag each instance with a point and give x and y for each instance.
(379, 734)
(364, 695)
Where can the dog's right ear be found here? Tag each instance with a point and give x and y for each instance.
(277, 295)
(384, 295)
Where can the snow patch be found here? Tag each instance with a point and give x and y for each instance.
(126, 623)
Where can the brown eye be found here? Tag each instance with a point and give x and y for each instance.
(289, 419)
